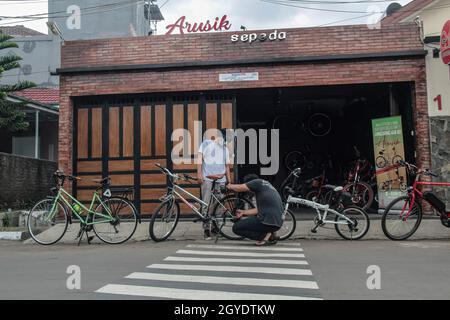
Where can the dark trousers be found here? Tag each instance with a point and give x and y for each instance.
(252, 228)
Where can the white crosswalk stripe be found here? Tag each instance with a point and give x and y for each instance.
(224, 272)
(242, 254)
(243, 247)
(238, 260)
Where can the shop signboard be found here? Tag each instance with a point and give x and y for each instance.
(389, 149)
(445, 43)
(233, 77)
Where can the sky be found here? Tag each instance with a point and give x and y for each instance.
(253, 14)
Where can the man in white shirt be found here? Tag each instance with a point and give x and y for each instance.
(214, 164)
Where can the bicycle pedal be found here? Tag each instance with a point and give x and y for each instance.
(313, 230)
(89, 239)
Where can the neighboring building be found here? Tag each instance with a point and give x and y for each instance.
(87, 19)
(40, 141)
(97, 19)
(39, 53)
(119, 108)
(433, 14)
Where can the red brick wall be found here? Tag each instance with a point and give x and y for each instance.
(216, 47)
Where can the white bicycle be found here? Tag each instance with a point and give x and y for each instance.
(351, 222)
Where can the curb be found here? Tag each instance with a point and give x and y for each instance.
(14, 235)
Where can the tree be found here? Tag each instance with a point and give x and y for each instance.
(11, 117)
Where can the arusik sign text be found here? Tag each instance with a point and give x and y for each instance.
(219, 24)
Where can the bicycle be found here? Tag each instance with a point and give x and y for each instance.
(350, 222)
(361, 192)
(400, 181)
(166, 216)
(405, 212)
(382, 161)
(112, 219)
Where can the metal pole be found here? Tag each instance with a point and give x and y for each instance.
(36, 136)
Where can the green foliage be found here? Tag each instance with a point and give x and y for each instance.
(11, 117)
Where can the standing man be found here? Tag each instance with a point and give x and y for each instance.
(214, 164)
(262, 222)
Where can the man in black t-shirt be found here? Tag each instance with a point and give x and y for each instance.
(262, 222)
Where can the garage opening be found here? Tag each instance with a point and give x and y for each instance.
(321, 126)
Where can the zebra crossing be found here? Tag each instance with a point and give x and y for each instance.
(235, 271)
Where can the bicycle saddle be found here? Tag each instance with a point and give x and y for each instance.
(101, 181)
(215, 177)
(334, 188)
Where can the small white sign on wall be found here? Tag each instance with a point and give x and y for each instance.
(233, 77)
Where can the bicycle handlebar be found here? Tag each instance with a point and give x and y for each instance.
(61, 175)
(415, 169)
(166, 171)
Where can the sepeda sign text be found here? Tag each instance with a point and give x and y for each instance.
(253, 37)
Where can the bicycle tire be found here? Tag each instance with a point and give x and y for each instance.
(96, 227)
(151, 227)
(292, 230)
(391, 205)
(29, 224)
(397, 159)
(360, 211)
(218, 206)
(365, 204)
(381, 162)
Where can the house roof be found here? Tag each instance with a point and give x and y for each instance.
(19, 31)
(406, 11)
(42, 96)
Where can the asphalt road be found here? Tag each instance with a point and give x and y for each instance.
(408, 270)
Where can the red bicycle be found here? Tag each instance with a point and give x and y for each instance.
(402, 217)
(361, 192)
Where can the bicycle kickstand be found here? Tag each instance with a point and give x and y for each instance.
(314, 230)
(80, 235)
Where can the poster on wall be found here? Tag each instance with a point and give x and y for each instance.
(389, 149)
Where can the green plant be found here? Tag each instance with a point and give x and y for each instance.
(6, 221)
(11, 117)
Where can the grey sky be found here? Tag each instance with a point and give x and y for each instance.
(254, 14)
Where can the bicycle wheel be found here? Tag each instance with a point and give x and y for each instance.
(164, 220)
(394, 224)
(224, 213)
(381, 162)
(294, 160)
(362, 194)
(288, 227)
(47, 227)
(124, 225)
(360, 226)
(396, 159)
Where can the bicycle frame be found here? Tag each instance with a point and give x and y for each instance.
(177, 192)
(63, 194)
(415, 193)
(319, 207)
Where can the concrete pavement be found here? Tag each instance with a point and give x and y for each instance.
(409, 269)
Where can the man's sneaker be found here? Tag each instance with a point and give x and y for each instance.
(207, 235)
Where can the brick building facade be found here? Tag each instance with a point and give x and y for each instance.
(96, 71)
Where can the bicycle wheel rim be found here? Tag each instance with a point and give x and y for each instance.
(164, 220)
(122, 228)
(288, 227)
(395, 224)
(225, 212)
(362, 194)
(42, 228)
(354, 231)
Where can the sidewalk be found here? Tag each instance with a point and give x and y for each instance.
(430, 229)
